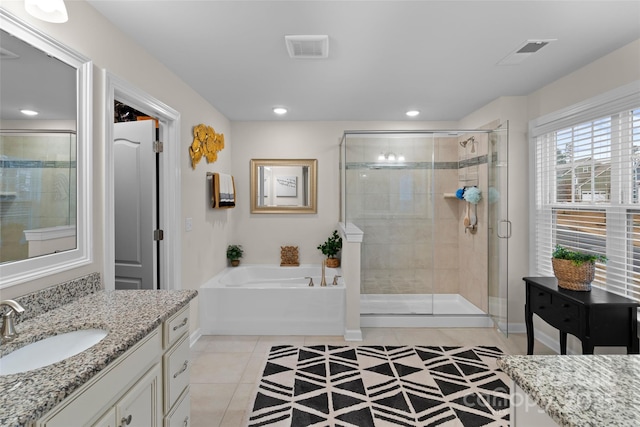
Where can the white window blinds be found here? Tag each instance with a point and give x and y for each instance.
(587, 196)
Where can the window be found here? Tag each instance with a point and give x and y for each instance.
(587, 191)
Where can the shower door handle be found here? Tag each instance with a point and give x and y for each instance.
(508, 235)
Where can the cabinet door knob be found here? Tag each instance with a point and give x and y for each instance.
(126, 420)
(186, 422)
(566, 305)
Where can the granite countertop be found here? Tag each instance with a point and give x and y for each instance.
(128, 316)
(586, 390)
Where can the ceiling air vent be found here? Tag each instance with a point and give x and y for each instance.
(307, 47)
(524, 51)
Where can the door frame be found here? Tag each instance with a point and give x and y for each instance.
(170, 207)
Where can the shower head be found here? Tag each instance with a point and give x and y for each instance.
(466, 141)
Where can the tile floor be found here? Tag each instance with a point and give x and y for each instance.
(225, 368)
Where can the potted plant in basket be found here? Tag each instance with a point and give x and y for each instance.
(234, 253)
(330, 248)
(574, 270)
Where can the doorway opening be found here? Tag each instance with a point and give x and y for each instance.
(167, 191)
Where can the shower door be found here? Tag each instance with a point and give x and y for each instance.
(389, 196)
(499, 226)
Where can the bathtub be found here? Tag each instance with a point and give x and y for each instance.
(272, 300)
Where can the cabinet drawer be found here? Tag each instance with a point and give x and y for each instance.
(175, 326)
(177, 370)
(540, 299)
(564, 315)
(180, 416)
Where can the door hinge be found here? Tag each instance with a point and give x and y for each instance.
(158, 234)
(158, 146)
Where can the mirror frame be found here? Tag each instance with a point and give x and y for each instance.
(17, 272)
(313, 178)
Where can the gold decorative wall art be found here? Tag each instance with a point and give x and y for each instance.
(289, 256)
(206, 143)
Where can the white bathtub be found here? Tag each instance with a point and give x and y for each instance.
(272, 300)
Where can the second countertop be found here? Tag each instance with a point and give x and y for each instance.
(585, 390)
(129, 316)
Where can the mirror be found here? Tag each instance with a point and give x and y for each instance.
(44, 158)
(283, 186)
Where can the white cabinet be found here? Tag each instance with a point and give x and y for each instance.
(180, 415)
(148, 386)
(95, 398)
(140, 407)
(524, 412)
(108, 419)
(176, 363)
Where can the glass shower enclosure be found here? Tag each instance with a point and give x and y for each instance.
(419, 255)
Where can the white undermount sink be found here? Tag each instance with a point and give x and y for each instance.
(50, 350)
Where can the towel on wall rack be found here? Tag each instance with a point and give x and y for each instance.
(223, 191)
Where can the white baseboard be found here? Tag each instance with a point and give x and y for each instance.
(429, 321)
(353, 335)
(194, 337)
(517, 328)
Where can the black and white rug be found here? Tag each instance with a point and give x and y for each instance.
(346, 386)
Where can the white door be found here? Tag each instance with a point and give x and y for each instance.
(135, 205)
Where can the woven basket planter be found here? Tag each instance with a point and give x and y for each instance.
(573, 277)
(333, 262)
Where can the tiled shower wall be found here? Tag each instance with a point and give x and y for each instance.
(37, 187)
(410, 230)
(473, 248)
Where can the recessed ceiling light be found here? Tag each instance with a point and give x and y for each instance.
(280, 110)
(412, 113)
(29, 112)
(47, 10)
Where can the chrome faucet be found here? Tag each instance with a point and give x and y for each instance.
(8, 328)
(323, 282)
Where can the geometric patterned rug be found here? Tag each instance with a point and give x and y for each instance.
(363, 386)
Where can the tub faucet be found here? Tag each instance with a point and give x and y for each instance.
(8, 328)
(335, 280)
(323, 282)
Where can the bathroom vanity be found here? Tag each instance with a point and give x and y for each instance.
(138, 374)
(576, 391)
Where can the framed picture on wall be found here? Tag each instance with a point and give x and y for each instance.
(286, 186)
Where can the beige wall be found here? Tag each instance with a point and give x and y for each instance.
(609, 72)
(94, 37)
(262, 234)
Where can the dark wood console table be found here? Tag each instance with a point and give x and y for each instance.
(596, 318)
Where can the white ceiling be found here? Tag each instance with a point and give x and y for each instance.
(385, 57)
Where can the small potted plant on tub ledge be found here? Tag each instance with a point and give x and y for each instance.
(574, 270)
(330, 248)
(234, 253)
